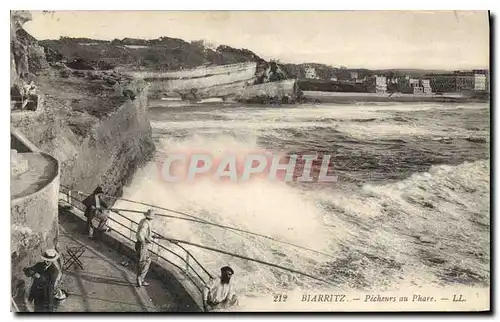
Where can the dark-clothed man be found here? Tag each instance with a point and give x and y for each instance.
(144, 237)
(219, 294)
(45, 276)
(94, 203)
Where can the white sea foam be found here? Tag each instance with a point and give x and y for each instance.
(425, 229)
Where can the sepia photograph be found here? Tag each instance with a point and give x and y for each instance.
(250, 161)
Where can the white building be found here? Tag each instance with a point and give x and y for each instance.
(377, 84)
(311, 73)
(414, 82)
(418, 90)
(479, 82)
(426, 85)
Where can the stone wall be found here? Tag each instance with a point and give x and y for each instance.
(34, 228)
(116, 148)
(199, 79)
(274, 89)
(202, 71)
(173, 86)
(109, 152)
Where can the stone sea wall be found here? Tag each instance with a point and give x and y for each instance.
(116, 148)
(202, 71)
(200, 80)
(34, 228)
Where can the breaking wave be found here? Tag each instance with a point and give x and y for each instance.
(431, 228)
(411, 209)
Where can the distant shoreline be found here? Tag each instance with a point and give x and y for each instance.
(343, 97)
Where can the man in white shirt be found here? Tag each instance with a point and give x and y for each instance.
(142, 245)
(219, 293)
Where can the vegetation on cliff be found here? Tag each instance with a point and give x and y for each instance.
(164, 53)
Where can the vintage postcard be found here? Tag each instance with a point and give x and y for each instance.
(250, 161)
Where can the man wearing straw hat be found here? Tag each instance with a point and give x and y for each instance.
(142, 246)
(45, 275)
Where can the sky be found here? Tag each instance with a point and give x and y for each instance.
(355, 39)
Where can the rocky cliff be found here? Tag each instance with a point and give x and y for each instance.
(98, 138)
(94, 129)
(93, 122)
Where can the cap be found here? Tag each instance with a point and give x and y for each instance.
(150, 214)
(227, 269)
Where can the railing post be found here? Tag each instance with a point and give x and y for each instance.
(186, 270)
(131, 229)
(69, 199)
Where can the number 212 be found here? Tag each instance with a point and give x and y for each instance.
(280, 297)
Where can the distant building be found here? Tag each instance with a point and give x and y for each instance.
(486, 73)
(311, 73)
(414, 82)
(205, 44)
(459, 81)
(426, 86)
(443, 83)
(418, 90)
(480, 82)
(354, 75)
(334, 78)
(465, 82)
(480, 71)
(403, 84)
(376, 84)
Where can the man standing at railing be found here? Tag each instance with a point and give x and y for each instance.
(218, 293)
(142, 246)
(94, 203)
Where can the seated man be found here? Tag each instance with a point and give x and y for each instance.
(218, 294)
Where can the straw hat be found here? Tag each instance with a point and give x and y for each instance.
(50, 255)
(150, 214)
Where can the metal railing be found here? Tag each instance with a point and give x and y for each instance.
(13, 305)
(163, 248)
(173, 251)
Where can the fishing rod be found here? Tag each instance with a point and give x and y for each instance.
(158, 207)
(144, 204)
(230, 228)
(173, 240)
(170, 210)
(203, 221)
(178, 241)
(174, 211)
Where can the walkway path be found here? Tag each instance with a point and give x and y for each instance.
(104, 285)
